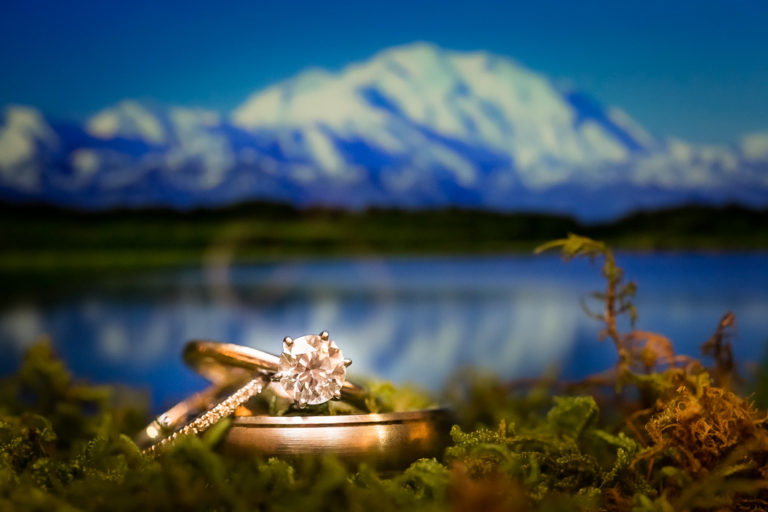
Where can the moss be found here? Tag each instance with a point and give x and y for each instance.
(657, 432)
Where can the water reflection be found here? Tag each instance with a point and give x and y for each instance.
(403, 319)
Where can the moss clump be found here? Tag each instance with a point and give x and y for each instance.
(658, 432)
(702, 429)
(565, 454)
(715, 442)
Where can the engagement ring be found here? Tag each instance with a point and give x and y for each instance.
(311, 369)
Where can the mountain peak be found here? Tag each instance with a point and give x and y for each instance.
(755, 146)
(405, 93)
(129, 119)
(415, 53)
(23, 131)
(25, 137)
(29, 120)
(413, 126)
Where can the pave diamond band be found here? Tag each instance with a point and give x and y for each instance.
(174, 417)
(204, 421)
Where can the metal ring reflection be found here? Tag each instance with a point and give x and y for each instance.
(386, 440)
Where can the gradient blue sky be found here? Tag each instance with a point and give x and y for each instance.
(695, 69)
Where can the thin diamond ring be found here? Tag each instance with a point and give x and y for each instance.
(156, 436)
(311, 370)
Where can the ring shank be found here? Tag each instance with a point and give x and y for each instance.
(177, 415)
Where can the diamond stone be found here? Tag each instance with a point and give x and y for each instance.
(312, 369)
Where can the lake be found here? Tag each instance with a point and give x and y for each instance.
(414, 319)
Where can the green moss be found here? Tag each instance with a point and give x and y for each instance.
(655, 433)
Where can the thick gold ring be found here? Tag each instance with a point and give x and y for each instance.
(221, 362)
(387, 440)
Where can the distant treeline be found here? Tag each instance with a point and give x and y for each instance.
(49, 238)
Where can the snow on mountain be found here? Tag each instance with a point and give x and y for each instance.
(414, 126)
(26, 139)
(128, 119)
(754, 147)
(416, 102)
(186, 143)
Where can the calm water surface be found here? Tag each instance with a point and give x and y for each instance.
(402, 319)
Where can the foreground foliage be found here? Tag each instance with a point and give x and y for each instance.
(657, 432)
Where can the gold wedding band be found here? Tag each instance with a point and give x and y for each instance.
(387, 440)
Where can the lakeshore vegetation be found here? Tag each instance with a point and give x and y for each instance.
(47, 240)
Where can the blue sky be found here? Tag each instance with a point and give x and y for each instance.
(693, 69)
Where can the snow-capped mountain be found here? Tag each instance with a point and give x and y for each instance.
(414, 126)
(420, 97)
(26, 144)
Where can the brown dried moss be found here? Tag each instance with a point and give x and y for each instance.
(700, 430)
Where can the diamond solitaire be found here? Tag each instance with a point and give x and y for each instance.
(312, 369)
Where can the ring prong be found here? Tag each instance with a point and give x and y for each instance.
(325, 335)
(277, 376)
(337, 395)
(288, 341)
(347, 362)
(302, 403)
